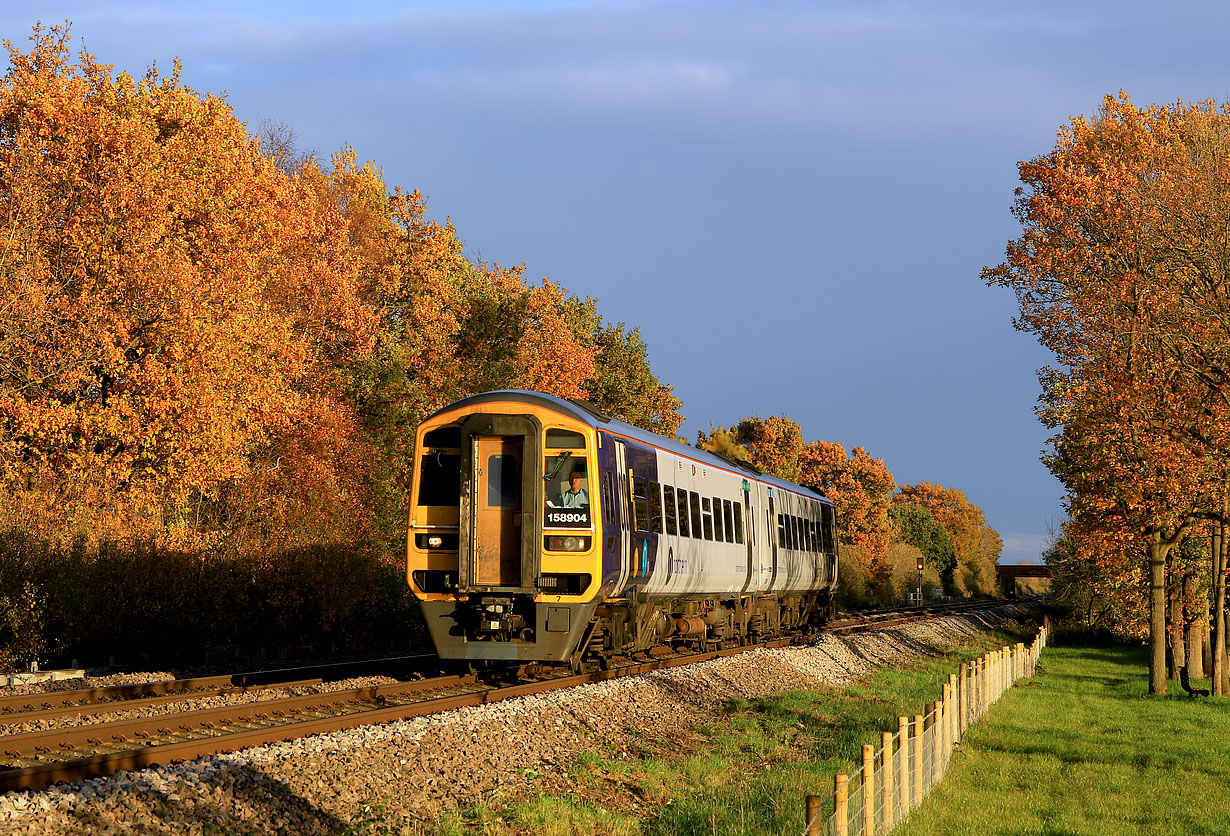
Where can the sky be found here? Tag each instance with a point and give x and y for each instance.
(792, 201)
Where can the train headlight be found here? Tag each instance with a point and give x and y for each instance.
(558, 543)
(443, 542)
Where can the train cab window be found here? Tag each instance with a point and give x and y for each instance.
(728, 518)
(440, 478)
(655, 507)
(685, 528)
(640, 503)
(503, 482)
(668, 508)
(738, 523)
(717, 520)
(826, 529)
(697, 519)
(565, 440)
(566, 494)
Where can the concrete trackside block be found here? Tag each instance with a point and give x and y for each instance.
(41, 676)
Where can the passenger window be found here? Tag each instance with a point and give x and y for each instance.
(697, 519)
(717, 520)
(655, 507)
(668, 505)
(781, 531)
(728, 516)
(640, 502)
(608, 497)
(685, 528)
(738, 523)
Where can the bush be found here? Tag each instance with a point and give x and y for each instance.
(179, 607)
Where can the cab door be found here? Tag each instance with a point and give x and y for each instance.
(496, 539)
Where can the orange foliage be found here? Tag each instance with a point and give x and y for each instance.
(860, 487)
(170, 301)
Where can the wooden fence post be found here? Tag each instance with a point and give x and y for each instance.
(954, 723)
(869, 790)
(814, 824)
(903, 763)
(916, 786)
(937, 766)
(841, 804)
(886, 779)
(963, 709)
(946, 725)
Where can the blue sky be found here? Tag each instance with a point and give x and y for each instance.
(792, 200)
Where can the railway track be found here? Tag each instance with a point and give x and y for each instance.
(34, 760)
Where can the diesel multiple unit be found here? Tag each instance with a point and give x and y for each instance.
(542, 530)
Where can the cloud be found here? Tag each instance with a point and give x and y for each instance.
(1022, 548)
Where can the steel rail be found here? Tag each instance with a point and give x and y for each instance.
(215, 685)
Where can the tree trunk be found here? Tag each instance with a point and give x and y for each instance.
(1219, 606)
(1225, 669)
(1191, 633)
(1173, 619)
(1178, 622)
(1158, 549)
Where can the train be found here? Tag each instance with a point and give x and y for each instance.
(544, 531)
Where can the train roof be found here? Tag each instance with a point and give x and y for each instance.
(587, 413)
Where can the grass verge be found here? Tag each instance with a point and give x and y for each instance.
(1082, 749)
(743, 773)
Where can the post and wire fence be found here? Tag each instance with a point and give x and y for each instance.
(898, 774)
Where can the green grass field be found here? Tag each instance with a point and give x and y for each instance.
(1083, 750)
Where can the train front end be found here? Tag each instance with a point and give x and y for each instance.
(504, 553)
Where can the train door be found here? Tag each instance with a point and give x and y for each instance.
(750, 516)
(624, 513)
(501, 494)
(497, 511)
(771, 532)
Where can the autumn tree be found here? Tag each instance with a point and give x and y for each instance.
(168, 304)
(1122, 272)
(976, 546)
(917, 526)
(861, 487)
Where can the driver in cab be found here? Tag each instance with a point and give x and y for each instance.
(576, 495)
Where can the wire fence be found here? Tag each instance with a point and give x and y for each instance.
(898, 775)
